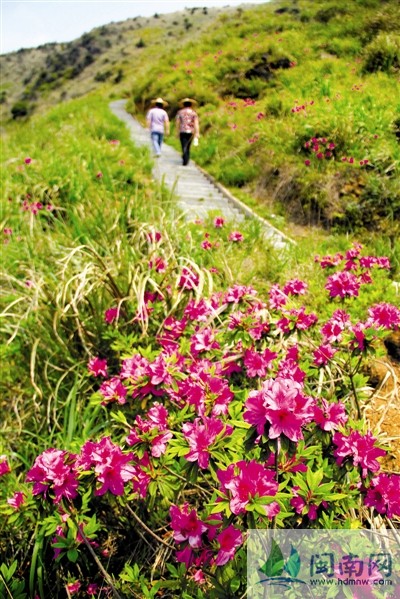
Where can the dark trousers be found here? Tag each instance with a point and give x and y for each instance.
(186, 140)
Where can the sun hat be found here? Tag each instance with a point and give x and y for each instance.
(159, 101)
(182, 102)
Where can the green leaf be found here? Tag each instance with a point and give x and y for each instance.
(235, 584)
(314, 478)
(336, 496)
(260, 509)
(73, 555)
(219, 507)
(240, 424)
(292, 566)
(275, 562)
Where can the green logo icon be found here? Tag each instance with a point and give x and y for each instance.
(277, 571)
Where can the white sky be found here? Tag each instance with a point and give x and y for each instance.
(30, 23)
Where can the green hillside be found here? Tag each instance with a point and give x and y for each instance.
(268, 80)
(168, 385)
(271, 80)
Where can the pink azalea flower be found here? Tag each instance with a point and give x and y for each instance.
(97, 366)
(154, 237)
(243, 481)
(334, 327)
(4, 465)
(383, 262)
(299, 504)
(206, 245)
(158, 416)
(159, 444)
(16, 500)
(158, 264)
(203, 341)
(384, 494)
(289, 369)
(330, 416)
(323, 354)
(384, 315)
(287, 464)
(277, 298)
(186, 525)
(360, 448)
(303, 321)
(158, 370)
(282, 404)
(229, 540)
(358, 331)
(256, 363)
(171, 332)
(73, 587)
(343, 284)
(284, 325)
(329, 261)
(235, 236)
(134, 368)
(111, 466)
(111, 314)
(219, 394)
(234, 294)
(198, 577)
(200, 310)
(185, 556)
(113, 390)
(295, 287)
(188, 279)
(54, 469)
(200, 435)
(155, 424)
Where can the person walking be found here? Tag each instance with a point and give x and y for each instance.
(158, 124)
(187, 122)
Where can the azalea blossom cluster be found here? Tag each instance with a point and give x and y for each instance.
(203, 542)
(321, 147)
(301, 107)
(355, 271)
(35, 207)
(230, 394)
(56, 474)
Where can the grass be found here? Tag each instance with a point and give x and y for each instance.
(86, 248)
(352, 108)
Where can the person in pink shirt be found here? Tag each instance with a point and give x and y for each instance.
(187, 122)
(158, 124)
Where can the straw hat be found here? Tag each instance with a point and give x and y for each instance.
(159, 101)
(182, 102)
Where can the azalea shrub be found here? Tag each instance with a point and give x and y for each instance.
(223, 413)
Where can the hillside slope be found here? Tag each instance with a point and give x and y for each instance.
(58, 71)
(297, 100)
